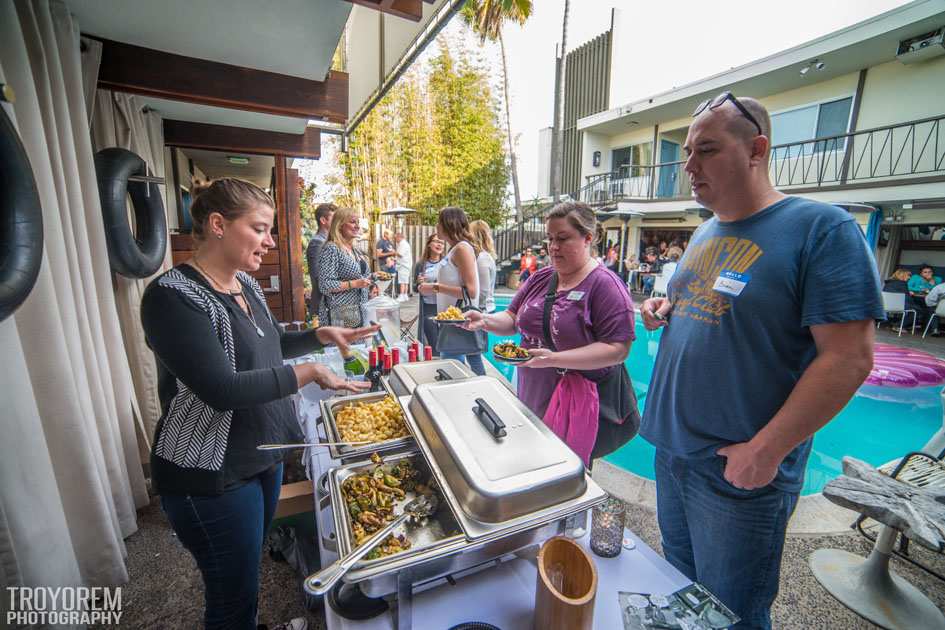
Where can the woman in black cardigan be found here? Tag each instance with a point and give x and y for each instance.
(224, 390)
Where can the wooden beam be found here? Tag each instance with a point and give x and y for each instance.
(138, 70)
(408, 9)
(282, 224)
(294, 229)
(178, 133)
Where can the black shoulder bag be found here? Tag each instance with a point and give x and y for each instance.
(455, 340)
(619, 418)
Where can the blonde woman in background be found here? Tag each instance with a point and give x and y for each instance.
(485, 263)
(343, 274)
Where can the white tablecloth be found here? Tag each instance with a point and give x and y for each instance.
(504, 595)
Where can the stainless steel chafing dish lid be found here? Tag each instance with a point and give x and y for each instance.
(499, 460)
(405, 377)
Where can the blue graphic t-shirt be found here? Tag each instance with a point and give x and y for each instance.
(744, 296)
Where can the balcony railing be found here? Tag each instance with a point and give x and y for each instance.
(893, 152)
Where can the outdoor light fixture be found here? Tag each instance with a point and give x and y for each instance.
(816, 64)
(596, 158)
(237, 159)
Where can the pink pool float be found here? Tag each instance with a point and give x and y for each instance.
(894, 366)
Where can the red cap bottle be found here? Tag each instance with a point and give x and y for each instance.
(412, 355)
(395, 356)
(387, 364)
(428, 353)
(380, 355)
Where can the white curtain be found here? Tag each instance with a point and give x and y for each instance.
(70, 470)
(888, 265)
(119, 120)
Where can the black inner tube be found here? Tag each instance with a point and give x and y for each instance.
(138, 253)
(21, 221)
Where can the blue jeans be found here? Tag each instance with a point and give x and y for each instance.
(225, 535)
(474, 361)
(729, 540)
(648, 282)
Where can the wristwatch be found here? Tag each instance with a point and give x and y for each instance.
(436, 287)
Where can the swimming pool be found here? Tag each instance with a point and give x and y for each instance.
(877, 425)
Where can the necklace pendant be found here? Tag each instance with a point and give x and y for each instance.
(259, 331)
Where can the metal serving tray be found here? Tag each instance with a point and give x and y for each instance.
(405, 377)
(494, 458)
(441, 533)
(362, 452)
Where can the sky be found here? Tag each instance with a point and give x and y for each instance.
(690, 39)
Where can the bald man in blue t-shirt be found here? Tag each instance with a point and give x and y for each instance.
(770, 332)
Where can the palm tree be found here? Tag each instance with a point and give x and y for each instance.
(486, 17)
(557, 140)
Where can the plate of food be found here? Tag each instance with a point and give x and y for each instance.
(382, 276)
(510, 352)
(451, 315)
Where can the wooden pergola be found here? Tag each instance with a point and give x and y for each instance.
(271, 105)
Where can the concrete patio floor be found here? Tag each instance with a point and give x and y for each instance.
(166, 592)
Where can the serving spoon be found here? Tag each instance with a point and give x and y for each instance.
(276, 447)
(415, 511)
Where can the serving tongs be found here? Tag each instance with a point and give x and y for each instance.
(277, 447)
(416, 512)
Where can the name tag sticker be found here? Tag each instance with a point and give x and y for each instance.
(731, 282)
(574, 296)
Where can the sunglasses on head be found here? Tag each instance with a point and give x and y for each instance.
(718, 101)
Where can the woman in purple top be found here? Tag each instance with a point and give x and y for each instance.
(591, 319)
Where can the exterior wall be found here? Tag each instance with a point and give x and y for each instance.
(544, 161)
(635, 135)
(594, 142)
(896, 93)
(839, 87)
(586, 92)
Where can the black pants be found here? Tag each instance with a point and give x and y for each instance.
(428, 330)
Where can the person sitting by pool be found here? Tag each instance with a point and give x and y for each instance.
(591, 336)
(898, 282)
(654, 266)
(919, 287)
(931, 301)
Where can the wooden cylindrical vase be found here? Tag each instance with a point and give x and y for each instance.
(567, 586)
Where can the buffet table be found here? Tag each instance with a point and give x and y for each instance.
(503, 593)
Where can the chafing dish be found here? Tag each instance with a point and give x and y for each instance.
(502, 493)
(494, 454)
(405, 377)
(346, 454)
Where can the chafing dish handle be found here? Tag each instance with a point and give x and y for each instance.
(441, 375)
(323, 501)
(489, 418)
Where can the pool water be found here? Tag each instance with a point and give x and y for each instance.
(877, 425)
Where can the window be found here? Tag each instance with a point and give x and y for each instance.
(813, 121)
(635, 155)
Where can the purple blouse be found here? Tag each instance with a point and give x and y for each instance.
(602, 312)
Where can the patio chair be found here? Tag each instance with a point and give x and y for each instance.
(660, 286)
(895, 303)
(938, 314)
(918, 469)
(907, 502)
(406, 327)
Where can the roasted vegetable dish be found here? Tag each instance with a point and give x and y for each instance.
(382, 275)
(371, 497)
(452, 313)
(509, 350)
(371, 422)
